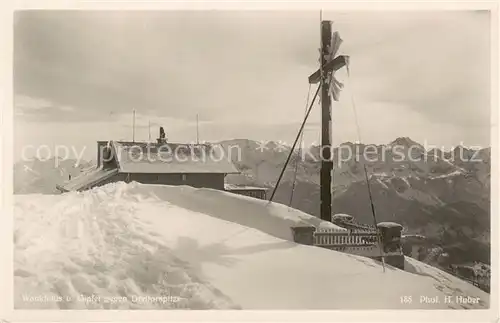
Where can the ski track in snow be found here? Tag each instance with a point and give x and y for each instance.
(204, 248)
(95, 256)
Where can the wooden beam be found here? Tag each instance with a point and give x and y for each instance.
(335, 64)
(61, 189)
(326, 119)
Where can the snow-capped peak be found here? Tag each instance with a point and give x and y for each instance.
(405, 142)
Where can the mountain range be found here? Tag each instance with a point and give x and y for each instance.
(443, 195)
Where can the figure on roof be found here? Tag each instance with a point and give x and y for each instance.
(162, 139)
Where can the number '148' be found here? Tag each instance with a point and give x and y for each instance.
(406, 299)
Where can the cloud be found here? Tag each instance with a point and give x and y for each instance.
(42, 110)
(139, 60)
(23, 102)
(239, 70)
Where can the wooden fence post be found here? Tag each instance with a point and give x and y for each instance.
(304, 235)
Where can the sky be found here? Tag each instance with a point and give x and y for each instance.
(79, 75)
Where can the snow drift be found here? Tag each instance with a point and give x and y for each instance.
(129, 246)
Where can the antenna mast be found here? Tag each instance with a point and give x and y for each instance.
(197, 131)
(149, 130)
(133, 126)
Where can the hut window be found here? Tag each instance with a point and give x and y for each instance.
(184, 177)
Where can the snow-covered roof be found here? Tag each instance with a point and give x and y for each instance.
(87, 179)
(342, 216)
(414, 236)
(172, 158)
(415, 239)
(232, 187)
(389, 225)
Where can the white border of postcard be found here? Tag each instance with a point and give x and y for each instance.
(7, 314)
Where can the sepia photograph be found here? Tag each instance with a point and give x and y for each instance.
(253, 160)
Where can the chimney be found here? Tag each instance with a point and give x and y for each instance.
(162, 139)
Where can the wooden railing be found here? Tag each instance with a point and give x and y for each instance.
(357, 242)
(361, 243)
(337, 237)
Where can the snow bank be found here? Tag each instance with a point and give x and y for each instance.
(272, 218)
(143, 246)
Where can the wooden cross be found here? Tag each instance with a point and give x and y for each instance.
(334, 65)
(321, 75)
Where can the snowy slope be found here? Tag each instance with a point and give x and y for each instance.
(146, 246)
(442, 195)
